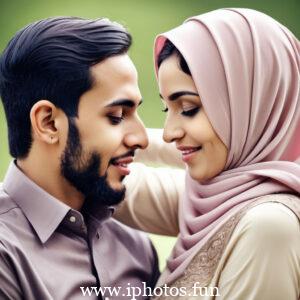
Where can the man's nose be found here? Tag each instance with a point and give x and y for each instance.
(137, 136)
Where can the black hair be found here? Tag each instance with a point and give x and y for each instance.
(51, 59)
(168, 50)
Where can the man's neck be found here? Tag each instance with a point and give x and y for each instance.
(46, 174)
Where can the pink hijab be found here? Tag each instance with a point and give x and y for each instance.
(245, 66)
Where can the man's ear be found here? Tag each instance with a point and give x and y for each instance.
(43, 116)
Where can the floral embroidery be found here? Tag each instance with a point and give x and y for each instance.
(203, 266)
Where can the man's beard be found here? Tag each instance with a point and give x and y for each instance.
(81, 169)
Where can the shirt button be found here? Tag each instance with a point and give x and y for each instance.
(72, 219)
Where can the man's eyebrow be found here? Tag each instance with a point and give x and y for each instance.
(176, 95)
(124, 102)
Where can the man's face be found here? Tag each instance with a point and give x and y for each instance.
(102, 140)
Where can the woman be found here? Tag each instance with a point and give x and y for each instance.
(230, 82)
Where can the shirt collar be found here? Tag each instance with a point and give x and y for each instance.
(43, 211)
(97, 212)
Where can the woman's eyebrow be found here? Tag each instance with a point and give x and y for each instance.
(176, 95)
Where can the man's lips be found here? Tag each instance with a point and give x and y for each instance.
(188, 152)
(121, 162)
(122, 165)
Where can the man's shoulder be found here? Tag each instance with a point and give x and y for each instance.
(9, 215)
(9, 243)
(6, 203)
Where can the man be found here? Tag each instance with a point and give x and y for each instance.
(70, 95)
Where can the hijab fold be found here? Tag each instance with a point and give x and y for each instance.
(245, 66)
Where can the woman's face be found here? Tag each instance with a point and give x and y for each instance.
(186, 123)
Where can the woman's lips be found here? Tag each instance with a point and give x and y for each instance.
(189, 152)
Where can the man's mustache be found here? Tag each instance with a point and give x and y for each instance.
(130, 153)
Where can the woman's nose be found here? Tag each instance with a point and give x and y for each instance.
(172, 131)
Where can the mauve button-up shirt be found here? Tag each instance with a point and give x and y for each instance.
(50, 251)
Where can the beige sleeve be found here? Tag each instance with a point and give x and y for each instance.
(159, 152)
(262, 258)
(151, 202)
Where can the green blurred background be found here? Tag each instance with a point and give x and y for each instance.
(144, 19)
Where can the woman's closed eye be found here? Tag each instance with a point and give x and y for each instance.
(190, 112)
